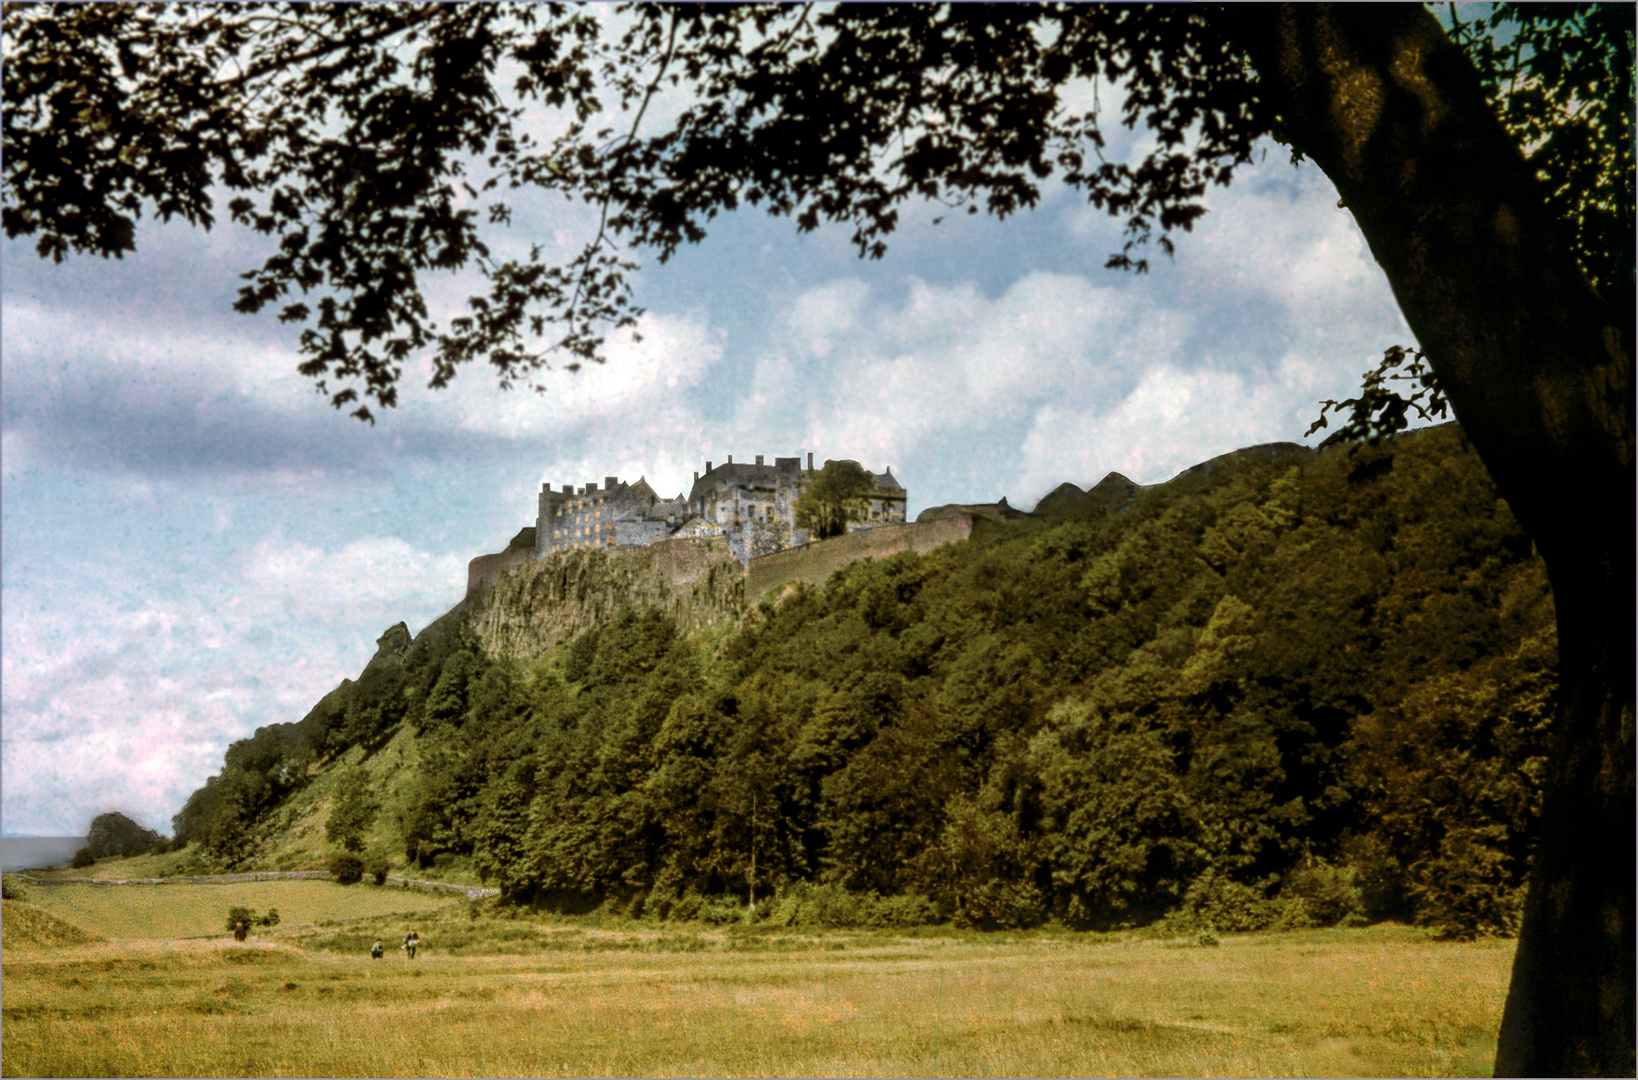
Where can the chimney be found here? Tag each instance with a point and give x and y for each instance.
(759, 459)
(730, 459)
(568, 489)
(707, 468)
(590, 487)
(696, 476)
(810, 461)
(610, 483)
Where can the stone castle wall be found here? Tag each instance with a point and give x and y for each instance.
(488, 567)
(814, 563)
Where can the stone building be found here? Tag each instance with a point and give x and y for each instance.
(752, 505)
(617, 514)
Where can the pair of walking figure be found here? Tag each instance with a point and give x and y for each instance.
(412, 941)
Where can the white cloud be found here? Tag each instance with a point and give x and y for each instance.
(127, 697)
(371, 578)
(1171, 420)
(648, 370)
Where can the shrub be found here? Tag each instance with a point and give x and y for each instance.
(1466, 891)
(720, 911)
(375, 865)
(11, 888)
(271, 918)
(1223, 904)
(831, 906)
(237, 915)
(346, 867)
(683, 908)
(1327, 894)
(83, 858)
(895, 912)
(823, 906)
(1001, 905)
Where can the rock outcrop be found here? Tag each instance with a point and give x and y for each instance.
(529, 608)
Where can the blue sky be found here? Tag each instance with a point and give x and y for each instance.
(195, 545)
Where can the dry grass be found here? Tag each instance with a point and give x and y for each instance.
(1381, 1001)
(177, 911)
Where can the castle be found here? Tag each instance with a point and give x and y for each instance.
(752, 506)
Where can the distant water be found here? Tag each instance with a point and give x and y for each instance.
(37, 852)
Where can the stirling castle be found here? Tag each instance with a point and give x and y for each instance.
(753, 507)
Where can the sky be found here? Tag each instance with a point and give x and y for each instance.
(194, 545)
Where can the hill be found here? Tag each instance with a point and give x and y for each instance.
(1284, 685)
(26, 926)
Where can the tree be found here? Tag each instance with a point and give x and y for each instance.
(347, 868)
(351, 133)
(114, 834)
(352, 811)
(834, 496)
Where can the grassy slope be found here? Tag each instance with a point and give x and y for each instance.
(25, 926)
(176, 911)
(1372, 1002)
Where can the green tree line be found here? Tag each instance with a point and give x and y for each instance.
(1307, 689)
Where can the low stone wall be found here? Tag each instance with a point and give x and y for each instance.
(471, 892)
(814, 563)
(212, 879)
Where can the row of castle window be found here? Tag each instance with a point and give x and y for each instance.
(587, 530)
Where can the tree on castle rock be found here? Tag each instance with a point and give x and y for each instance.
(377, 144)
(836, 495)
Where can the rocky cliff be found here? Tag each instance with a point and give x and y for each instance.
(528, 608)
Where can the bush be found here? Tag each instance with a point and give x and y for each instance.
(833, 907)
(897, 912)
(1001, 905)
(11, 888)
(237, 915)
(375, 865)
(720, 910)
(346, 867)
(1326, 895)
(1466, 891)
(1218, 903)
(83, 858)
(817, 906)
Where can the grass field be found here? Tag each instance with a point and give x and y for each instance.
(163, 912)
(561, 997)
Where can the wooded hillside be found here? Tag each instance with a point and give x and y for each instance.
(1307, 689)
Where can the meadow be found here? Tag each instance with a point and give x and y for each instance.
(560, 996)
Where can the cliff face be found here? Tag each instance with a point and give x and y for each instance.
(526, 609)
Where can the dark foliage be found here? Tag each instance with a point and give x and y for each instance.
(347, 868)
(114, 834)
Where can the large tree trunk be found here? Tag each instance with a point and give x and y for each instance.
(1538, 369)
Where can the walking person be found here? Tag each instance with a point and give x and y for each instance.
(412, 941)
(375, 950)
